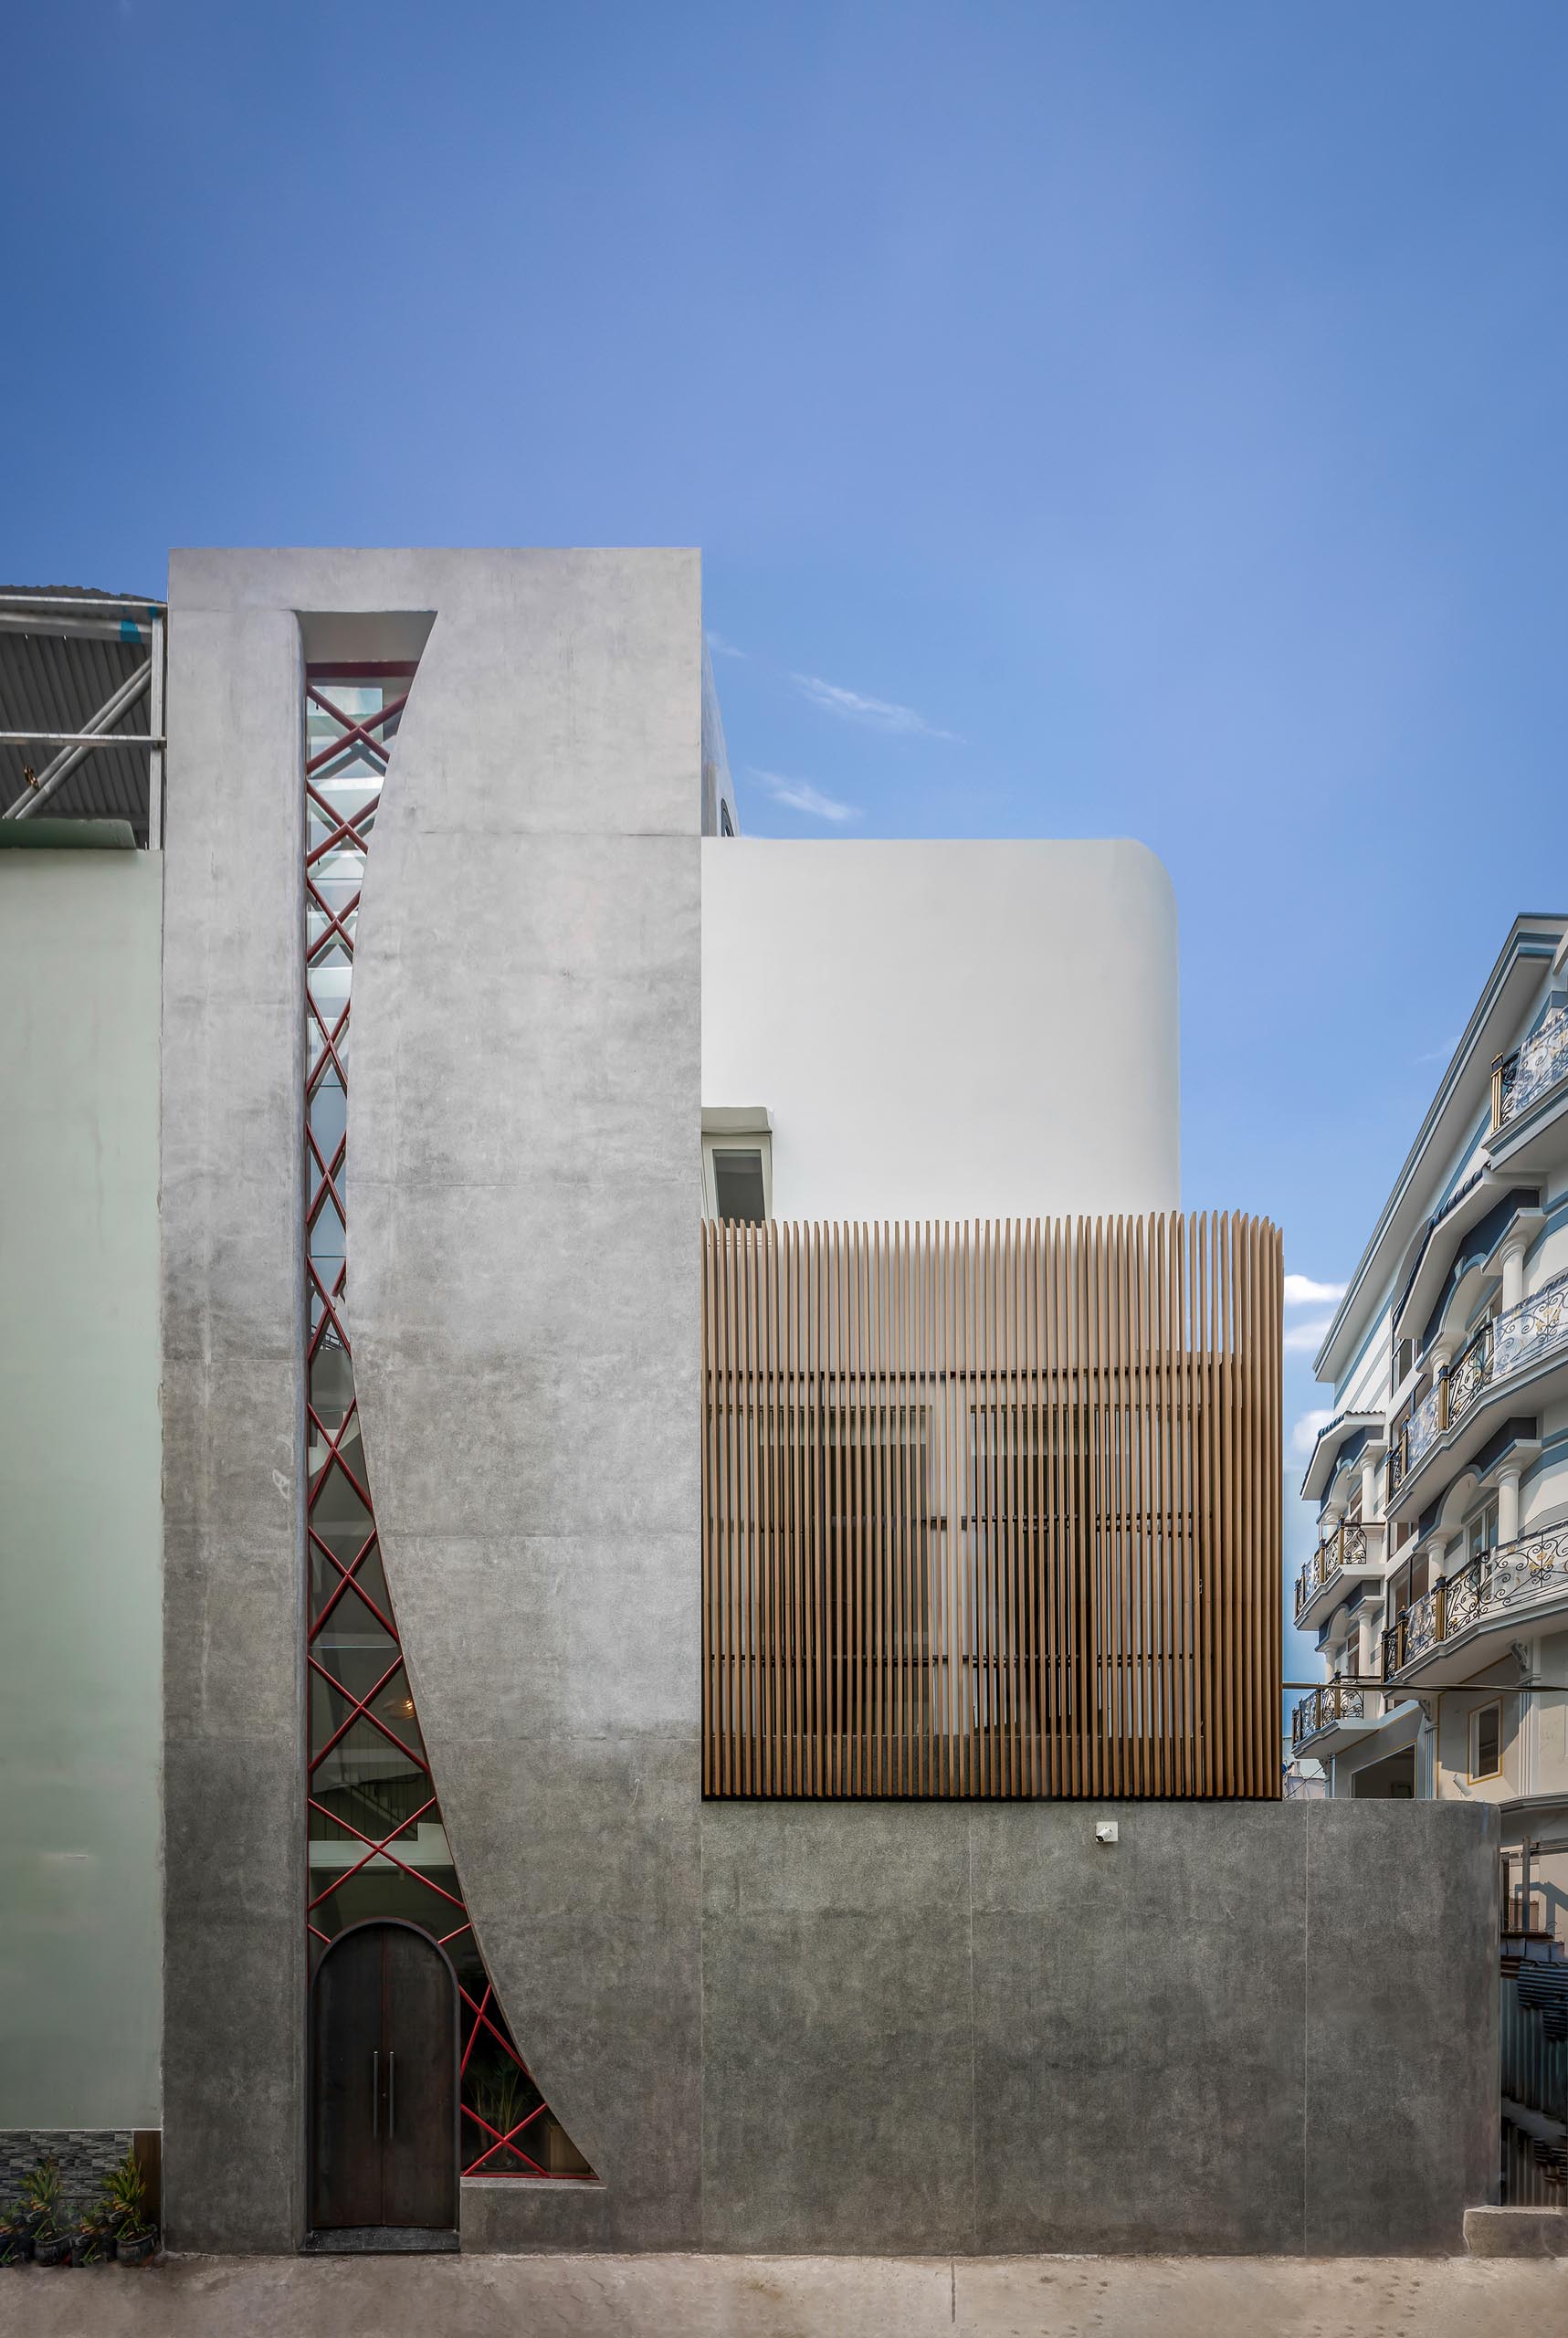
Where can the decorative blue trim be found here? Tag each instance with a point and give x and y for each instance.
(1523, 1428)
(1476, 1244)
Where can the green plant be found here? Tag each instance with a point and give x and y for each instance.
(43, 2190)
(502, 2096)
(122, 2197)
(89, 2242)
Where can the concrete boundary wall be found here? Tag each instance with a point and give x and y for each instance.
(1256, 2027)
(1261, 2028)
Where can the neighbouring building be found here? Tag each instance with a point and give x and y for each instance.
(1438, 1588)
(645, 1551)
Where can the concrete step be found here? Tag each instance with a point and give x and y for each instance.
(1516, 2232)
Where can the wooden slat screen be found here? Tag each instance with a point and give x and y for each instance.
(991, 1510)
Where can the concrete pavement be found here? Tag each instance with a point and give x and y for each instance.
(791, 2297)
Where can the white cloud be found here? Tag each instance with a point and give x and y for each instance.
(801, 796)
(723, 648)
(877, 713)
(1306, 1338)
(1300, 1290)
(1304, 1436)
(1442, 1054)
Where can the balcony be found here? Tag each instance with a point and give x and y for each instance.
(1500, 1356)
(1520, 1080)
(1351, 1555)
(1342, 1710)
(1447, 1634)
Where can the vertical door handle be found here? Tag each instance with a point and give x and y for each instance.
(375, 2092)
(391, 2094)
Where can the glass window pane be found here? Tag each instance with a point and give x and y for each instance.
(738, 1186)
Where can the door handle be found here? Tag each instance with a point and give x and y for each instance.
(391, 2095)
(375, 2092)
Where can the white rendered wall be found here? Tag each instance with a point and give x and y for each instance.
(81, 1520)
(947, 1030)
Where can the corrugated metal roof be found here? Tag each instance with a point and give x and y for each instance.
(58, 681)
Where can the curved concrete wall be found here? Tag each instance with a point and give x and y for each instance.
(523, 1298)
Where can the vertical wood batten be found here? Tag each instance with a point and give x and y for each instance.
(992, 1510)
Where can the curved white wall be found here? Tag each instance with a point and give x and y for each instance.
(947, 1029)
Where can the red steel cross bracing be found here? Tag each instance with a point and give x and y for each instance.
(376, 1843)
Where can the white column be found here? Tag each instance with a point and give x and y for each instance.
(1368, 1491)
(1513, 1271)
(1508, 1504)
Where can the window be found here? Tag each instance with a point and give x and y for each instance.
(1480, 1535)
(738, 1190)
(737, 1163)
(1486, 1736)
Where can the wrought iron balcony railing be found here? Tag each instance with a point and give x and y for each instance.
(1345, 1547)
(1530, 1329)
(1535, 1567)
(1521, 1079)
(1470, 1373)
(1337, 1699)
(1533, 1328)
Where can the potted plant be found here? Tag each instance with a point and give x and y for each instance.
(44, 2195)
(17, 2235)
(123, 2208)
(91, 2243)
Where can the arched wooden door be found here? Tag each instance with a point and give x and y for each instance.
(384, 2084)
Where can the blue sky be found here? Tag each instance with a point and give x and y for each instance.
(1103, 418)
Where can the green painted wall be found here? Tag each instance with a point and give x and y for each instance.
(81, 1522)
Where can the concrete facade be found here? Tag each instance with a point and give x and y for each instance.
(947, 1030)
(80, 2016)
(524, 1294)
(523, 1282)
(232, 1415)
(869, 2027)
(976, 2031)
(979, 2030)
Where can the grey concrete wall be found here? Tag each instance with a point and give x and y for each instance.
(1267, 2027)
(528, 982)
(232, 1415)
(80, 1529)
(523, 1302)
